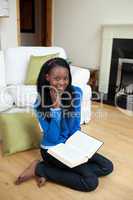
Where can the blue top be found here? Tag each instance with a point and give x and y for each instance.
(60, 128)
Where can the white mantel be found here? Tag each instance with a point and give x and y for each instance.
(109, 32)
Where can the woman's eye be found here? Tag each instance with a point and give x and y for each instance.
(66, 78)
(57, 79)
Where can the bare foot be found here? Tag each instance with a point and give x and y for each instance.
(28, 173)
(40, 181)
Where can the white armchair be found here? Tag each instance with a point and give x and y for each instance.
(17, 97)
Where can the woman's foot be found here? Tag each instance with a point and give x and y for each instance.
(28, 173)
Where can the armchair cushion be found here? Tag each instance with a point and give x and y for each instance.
(20, 131)
(34, 67)
(17, 59)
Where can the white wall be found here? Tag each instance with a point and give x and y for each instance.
(77, 26)
(8, 27)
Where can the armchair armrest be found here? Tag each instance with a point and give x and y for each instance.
(79, 75)
(2, 70)
(6, 100)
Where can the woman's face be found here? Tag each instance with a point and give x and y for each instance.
(58, 77)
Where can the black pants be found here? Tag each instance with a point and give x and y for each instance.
(83, 177)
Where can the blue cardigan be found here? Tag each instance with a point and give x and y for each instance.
(60, 128)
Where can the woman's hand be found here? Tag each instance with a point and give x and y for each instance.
(55, 96)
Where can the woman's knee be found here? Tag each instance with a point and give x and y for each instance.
(105, 163)
(90, 183)
(108, 168)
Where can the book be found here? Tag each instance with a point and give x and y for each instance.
(76, 150)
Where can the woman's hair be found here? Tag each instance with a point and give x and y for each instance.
(44, 91)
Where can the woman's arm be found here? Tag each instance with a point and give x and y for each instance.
(51, 129)
(74, 120)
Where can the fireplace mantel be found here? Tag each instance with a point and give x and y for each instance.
(109, 32)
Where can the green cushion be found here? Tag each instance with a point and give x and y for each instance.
(20, 131)
(34, 67)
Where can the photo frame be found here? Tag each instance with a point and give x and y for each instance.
(4, 8)
(27, 16)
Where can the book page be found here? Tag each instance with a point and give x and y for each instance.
(85, 143)
(67, 154)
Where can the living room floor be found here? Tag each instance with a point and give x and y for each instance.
(108, 124)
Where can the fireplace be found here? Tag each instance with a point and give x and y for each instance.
(124, 85)
(116, 70)
(121, 72)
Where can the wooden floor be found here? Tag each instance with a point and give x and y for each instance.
(107, 124)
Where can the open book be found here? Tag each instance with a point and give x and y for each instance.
(77, 150)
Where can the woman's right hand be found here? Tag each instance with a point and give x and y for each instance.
(55, 97)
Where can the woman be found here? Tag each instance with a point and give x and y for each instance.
(58, 112)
